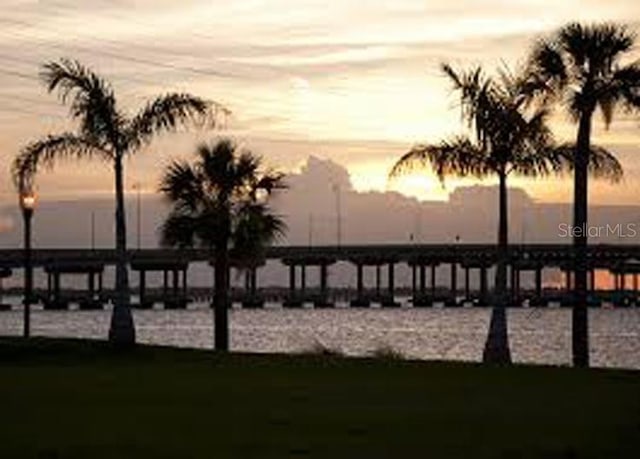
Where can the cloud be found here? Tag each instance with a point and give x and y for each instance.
(297, 74)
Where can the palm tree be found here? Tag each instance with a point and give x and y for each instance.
(580, 66)
(219, 202)
(106, 133)
(508, 139)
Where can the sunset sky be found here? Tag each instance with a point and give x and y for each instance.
(354, 81)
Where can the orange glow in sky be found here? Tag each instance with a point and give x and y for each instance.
(355, 82)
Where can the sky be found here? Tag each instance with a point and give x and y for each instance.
(357, 82)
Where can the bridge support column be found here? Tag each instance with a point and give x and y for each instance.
(323, 300)
(292, 281)
(538, 282)
(91, 285)
(165, 282)
(420, 298)
(414, 281)
(360, 300)
(390, 301)
(433, 281)
(483, 286)
(515, 285)
(378, 275)
(251, 300)
(184, 285)
(142, 287)
(512, 284)
(621, 286)
(56, 288)
(176, 301)
(254, 282)
(175, 283)
(452, 300)
(303, 281)
(467, 289)
(49, 283)
(292, 301)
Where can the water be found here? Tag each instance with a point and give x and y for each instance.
(535, 335)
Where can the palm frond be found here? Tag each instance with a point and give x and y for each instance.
(92, 99)
(459, 157)
(256, 228)
(547, 74)
(602, 163)
(579, 65)
(167, 113)
(270, 182)
(46, 152)
(217, 194)
(216, 161)
(625, 86)
(245, 169)
(477, 96)
(182, 185)
(178, 230)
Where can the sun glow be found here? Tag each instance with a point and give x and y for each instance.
(423, 184)
(331, 74)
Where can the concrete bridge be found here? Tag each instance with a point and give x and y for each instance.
(620, 260)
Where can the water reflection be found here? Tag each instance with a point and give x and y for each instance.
(536, 335)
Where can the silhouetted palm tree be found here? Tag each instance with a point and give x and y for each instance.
(580, 66)
(219, 202)
(508, 139)
(105, 133)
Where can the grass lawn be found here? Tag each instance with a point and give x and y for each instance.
(78, 399)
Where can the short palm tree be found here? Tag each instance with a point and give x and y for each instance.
(105, 133)
(508, 139)
(581, 67)
(219, 202)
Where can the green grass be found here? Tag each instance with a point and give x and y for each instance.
(78, 399)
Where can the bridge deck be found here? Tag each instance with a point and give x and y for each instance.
(545, 255)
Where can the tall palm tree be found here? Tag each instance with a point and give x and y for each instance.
(508, 139)
(106, 133)
(219, 202)
(581, 67)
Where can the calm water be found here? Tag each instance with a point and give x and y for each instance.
(536, 335)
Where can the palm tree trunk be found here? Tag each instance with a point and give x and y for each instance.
(221, 296)
(496, 348)
(503, 239)
(221, 288)
(121, 331)
(580, 319)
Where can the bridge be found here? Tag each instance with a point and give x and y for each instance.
(620, 259)
(601, 256)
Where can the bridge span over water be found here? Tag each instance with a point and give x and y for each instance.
(621, 260)
(547, 255)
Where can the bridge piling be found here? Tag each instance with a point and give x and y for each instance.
(360, 301)
(389, 300)
(451, 300)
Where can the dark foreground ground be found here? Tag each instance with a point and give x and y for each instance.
(78, 399)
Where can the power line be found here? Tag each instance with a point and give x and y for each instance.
(268, 104)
